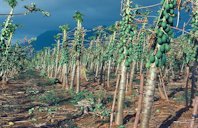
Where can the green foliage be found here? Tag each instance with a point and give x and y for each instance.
(50, 97)
(32, 91)
(121, 126)
(43, 73)
(95, 100)
(78, 16)
(76, 97)
(49, 110)
(101, 110)
(12, 3)
(127, 33)
(33, 8)
(48, 82)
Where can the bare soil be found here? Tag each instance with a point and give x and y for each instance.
(20, 107)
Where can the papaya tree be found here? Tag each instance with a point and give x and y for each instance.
(78, 43)
(65, 56)
(160, 46)
(125, 50)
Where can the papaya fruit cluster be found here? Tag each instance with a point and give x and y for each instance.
(110, 51)
(138, 47)
(127, 32)
(163, 34)
(78, 41)
(65, 55)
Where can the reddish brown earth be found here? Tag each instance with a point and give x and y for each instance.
(16, 103)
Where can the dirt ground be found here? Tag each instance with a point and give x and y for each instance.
(20, 107)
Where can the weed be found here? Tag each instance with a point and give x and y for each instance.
(48, 82)
(32, 91)
(121, 126)
(50, 97)
(85, 94)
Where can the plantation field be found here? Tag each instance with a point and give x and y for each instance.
(30, 100)
(138, 71)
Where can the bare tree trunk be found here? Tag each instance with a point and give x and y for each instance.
(172, 71)
(182, 67)
(108, 74)
(78, 77)
(66, 77)
(139, 108)
(91, 66)
(127, 82)
(148, 100)
(195, 112)
(162, 96)
(63, 75)
(114, 100)
(163, 85)
(97, 70)
(193, 82)
(101, 73)
(57, 55)
(131, 77)
(186, 84)
(73, 76)
(117, 69)
(121, 95)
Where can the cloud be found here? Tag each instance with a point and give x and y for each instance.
(96, 12)
(102, 12)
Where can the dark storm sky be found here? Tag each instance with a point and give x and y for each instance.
(97, 12)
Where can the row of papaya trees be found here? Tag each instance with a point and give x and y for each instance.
(14, 56)
(130, 47)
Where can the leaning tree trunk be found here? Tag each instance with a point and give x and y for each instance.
(114, 100)
(7, 22)
(121, 95)
(148, 100)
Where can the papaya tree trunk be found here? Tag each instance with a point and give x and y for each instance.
(139, 108)
(73, 76)
(148, 100)
(193, 82)
(57, 55)
(66, 77)
(114, 100)
(78, 76)
(186, 84)
(101, 73)
(132, 77)
(97, 70)
(121, 94)
(195, 112)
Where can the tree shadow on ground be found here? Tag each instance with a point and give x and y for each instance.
(175, 91)
(128, 117)
(167, 123)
